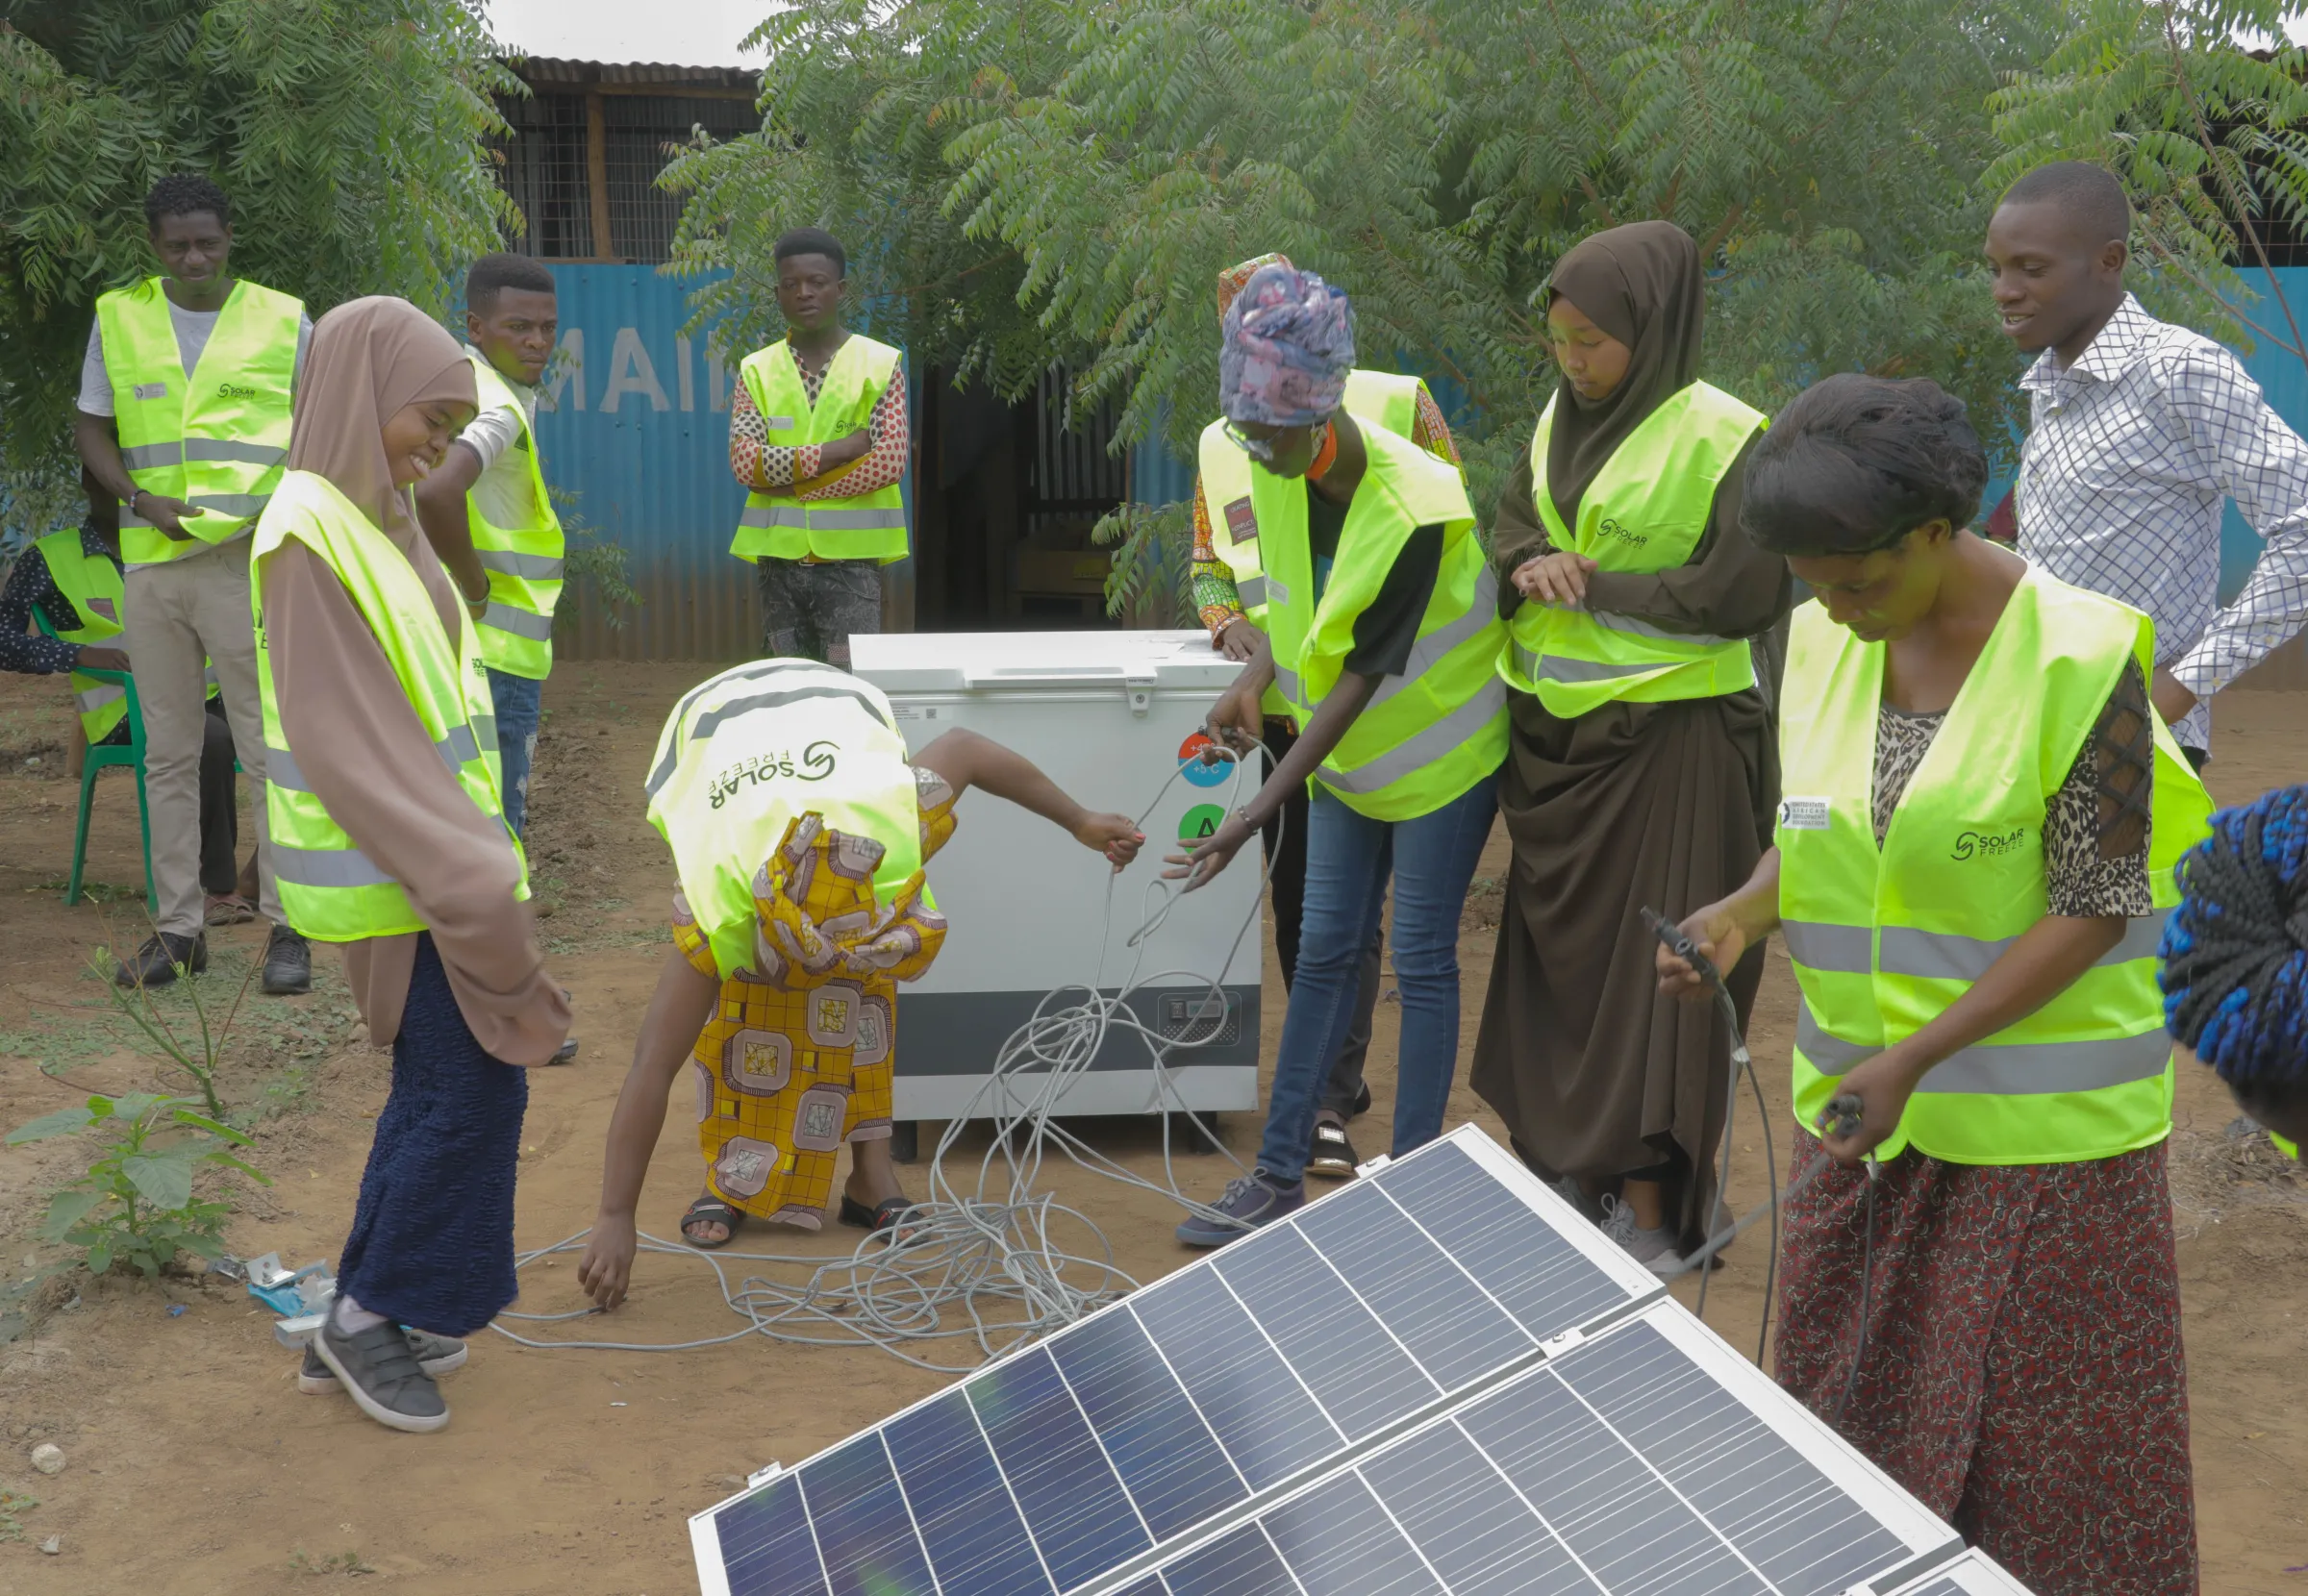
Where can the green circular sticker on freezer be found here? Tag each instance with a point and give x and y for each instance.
(1201, 821)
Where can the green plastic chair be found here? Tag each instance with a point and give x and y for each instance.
(100, 760)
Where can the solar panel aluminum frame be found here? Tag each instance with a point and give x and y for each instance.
(1638, 1285)
(1974, 1574)
(1932, 1546)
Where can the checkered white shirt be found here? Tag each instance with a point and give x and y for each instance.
(2129, 453)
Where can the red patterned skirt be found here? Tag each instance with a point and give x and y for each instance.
(2022, 1375)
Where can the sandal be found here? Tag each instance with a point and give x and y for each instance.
(884, 1215)
(711, 1211)
(228, 909)
(1333, 1156)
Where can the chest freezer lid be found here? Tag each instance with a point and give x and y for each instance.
(995, 662)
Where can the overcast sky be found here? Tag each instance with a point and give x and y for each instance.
(683, 32)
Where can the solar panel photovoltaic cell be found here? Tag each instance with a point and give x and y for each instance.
(1438, 1381)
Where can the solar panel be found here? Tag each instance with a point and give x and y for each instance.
(1439, 1380)
(1974, 1574)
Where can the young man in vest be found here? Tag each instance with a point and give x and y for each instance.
(71, 579)
(817, 435)
(183, 417)
(486, 511)
(1231, 595)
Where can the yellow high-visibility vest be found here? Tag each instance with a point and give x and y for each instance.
(777, 525)
(744, 754)
(217, 438)
(330, 889)
(523, 560)
(1645, 510)
(1884, 939)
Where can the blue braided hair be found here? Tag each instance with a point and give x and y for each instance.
(2235, 969)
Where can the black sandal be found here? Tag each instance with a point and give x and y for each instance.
(1333, 1156)
(884, 1215)
(711, 1211)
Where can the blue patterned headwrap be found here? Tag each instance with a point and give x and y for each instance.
(1289, 344)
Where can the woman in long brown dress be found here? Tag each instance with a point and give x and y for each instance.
(1642, 771)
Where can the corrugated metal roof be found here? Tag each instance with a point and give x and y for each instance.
(553, 69)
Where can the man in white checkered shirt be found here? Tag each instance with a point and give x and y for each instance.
(2138, 431)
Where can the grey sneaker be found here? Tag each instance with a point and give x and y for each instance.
(379, 1373)
(435, 1354)
(1250, 1200)
(1653, 1249)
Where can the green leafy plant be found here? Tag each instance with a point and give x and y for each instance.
(350, 134)
(135, 1204)
(197, 1063)
(1154, 565)
(12, 1503)
(302, 1562)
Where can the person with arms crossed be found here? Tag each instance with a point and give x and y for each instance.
(801, 827)
(1971, 869)
(72, 580)
(393, 839)
(818, 436)
(2137, 432)
(1231, 593)
(183, 417)
(1382, 633)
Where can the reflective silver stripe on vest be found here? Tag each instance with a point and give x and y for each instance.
(774, 515)
(521, 623)
(281, 770)
(1436, 646)
(856, 520)
(1276, 592)
(1555, 667)
(244, 506)
(1846, 950)
(1285, 681)
(485, 730)
(225, 449)
(782, 423)
(710, 721)
(1634, 627)
(1939, 954)
(1251, 591)
(1944, 956)
(325, 866)
(152, 457)
(2014, 1069)
(96, 698)
(1460, 726)
(455, 748)
(529, 567)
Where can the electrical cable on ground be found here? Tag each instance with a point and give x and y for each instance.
(982, 1260)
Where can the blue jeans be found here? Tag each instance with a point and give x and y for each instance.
(1348, 858)
(518, 699)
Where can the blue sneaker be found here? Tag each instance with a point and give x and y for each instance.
(1250, 1200)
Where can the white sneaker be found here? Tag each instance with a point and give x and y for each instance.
(1655, 1249)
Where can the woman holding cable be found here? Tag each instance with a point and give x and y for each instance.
(1382, 630)
(1972, 863)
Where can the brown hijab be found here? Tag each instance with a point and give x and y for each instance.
(372, 357)
(1642, 284)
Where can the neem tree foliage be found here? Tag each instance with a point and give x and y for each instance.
(1061, 181)
(348, 133)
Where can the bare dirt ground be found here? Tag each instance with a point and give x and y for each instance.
(195, 1466)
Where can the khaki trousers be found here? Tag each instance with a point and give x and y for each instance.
(177, 614)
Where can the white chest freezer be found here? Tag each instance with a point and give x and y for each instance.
(1110, 716)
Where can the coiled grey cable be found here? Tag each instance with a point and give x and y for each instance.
(988, 1264)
